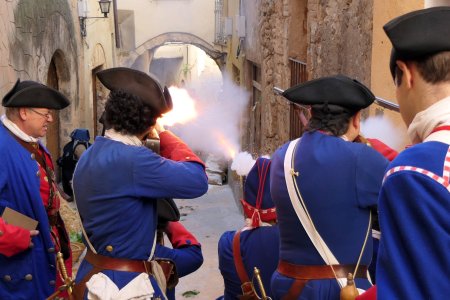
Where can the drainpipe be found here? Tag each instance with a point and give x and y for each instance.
(116, 24)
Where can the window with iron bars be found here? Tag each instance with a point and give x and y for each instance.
(219, 36)
(298, 115)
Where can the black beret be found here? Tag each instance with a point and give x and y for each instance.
(338, 90)
(139, 84)
(419, 34)
(33, 94)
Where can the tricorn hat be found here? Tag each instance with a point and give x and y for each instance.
(419, 34)
(167, 210)
(139, 84)
(33, 94)
(257, 202)
(338, 90)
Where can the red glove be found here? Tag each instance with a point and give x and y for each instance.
(175, 149)
(370, 294)
(179, 236)
(384, 149)
(13, 239)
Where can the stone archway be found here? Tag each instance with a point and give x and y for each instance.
(175, 37)
(57, 77)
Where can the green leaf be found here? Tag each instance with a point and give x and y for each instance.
(189, 294)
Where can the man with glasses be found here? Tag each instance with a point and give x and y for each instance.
(414, 202)
(27, 186)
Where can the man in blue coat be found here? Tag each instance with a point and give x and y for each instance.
(414, 209)
(28, 268)
(256, 245)
(117, 184)
(325, 186)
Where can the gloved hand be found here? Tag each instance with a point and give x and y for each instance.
(179, 236)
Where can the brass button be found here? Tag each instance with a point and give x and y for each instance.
(188, 157)
(51, 282)
(46, 178)
(109, 248)
(38, 173)
(33, 156)
(51, 250)
(29, 277)
(7, 278)
(1, 233)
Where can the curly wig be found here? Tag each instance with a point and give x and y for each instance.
(128, 114)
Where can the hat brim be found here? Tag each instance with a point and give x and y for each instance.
(37, 95)
(137, 83)
(339, 90)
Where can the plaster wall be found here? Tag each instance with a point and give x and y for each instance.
(381, 81)
(33, 32)
(155, 17)
(99, 52)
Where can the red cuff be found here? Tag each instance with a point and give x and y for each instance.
(13, 239)
(384, 149)
(370, 294)
(179, 236)
(175, 149)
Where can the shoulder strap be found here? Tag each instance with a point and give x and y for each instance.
(301, 211)
(238, 263)
(304, 217)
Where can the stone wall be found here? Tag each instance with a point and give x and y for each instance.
(340, 38)
(38, 39)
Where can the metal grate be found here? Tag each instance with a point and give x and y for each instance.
(298, 115)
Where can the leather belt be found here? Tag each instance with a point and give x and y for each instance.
(118, 264)
(101, 262)
(310, 272)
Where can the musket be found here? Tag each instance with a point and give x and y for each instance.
(380, 101)
(387, 104)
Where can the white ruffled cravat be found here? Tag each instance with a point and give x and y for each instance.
(424, 122)
(123, 138)
(17, 131)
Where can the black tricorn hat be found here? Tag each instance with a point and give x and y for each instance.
(419, 34)
(139, 84)
(338, 90)
(167, 210)
(33, 94)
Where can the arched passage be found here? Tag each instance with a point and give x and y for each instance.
(58, 77)
(175, 37)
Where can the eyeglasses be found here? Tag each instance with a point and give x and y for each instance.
(47, 115)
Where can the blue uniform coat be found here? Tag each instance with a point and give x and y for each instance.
(115, 187)
(339, 182)
(420, 191)
(19, 190)
(259, 248)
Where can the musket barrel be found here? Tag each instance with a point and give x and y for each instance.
(387, 104)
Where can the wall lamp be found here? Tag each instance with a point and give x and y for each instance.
(83, 10)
